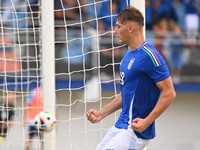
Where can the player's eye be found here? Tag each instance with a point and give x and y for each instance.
(117, 28)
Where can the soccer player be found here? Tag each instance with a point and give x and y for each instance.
(35, 106)
(6, 114)
(146, 88)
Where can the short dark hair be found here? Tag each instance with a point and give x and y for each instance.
(131, 13)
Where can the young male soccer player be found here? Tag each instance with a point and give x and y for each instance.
(144, 75)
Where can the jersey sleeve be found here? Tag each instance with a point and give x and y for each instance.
(154, 65)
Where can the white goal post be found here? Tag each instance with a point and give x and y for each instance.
(48, 66)
(140, 4)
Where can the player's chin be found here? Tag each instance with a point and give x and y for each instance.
(120, 41)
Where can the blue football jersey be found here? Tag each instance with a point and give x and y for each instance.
(139, 72)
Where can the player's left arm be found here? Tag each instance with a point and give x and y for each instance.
(167, 96)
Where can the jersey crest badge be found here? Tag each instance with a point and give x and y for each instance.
(131, 63)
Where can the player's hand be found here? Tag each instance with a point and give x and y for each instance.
(94, 116)
(139, 125)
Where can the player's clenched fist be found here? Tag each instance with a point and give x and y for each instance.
(139, 125)
(94, 116)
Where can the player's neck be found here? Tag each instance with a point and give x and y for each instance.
(136, 41)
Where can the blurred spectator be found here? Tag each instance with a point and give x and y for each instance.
(5, 44)
(68, 10)
(191, 22)
(176, 58)
(123, 4)
(161, 31)
(6, 113)
(157, 11)
(67, 14)
(110, 59)
(75, 52)
(64, 12)
(163, 9)
(13, 13)
(92, 11)
(179, 8)
(64, 9)
(168, 10)
(33, 8)
(105, 24)
(8, 61)
(148, 15)
(108, 12)
(30, 36)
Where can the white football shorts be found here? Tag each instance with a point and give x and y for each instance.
(121, 139)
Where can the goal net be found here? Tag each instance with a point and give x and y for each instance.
(87, 59)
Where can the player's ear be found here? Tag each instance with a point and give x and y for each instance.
(131, 28)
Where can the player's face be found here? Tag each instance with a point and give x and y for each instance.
(121, 30)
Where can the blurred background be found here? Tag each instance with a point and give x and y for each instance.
(87, 59)
(171, 25)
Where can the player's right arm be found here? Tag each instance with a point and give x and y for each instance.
(95, 116)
